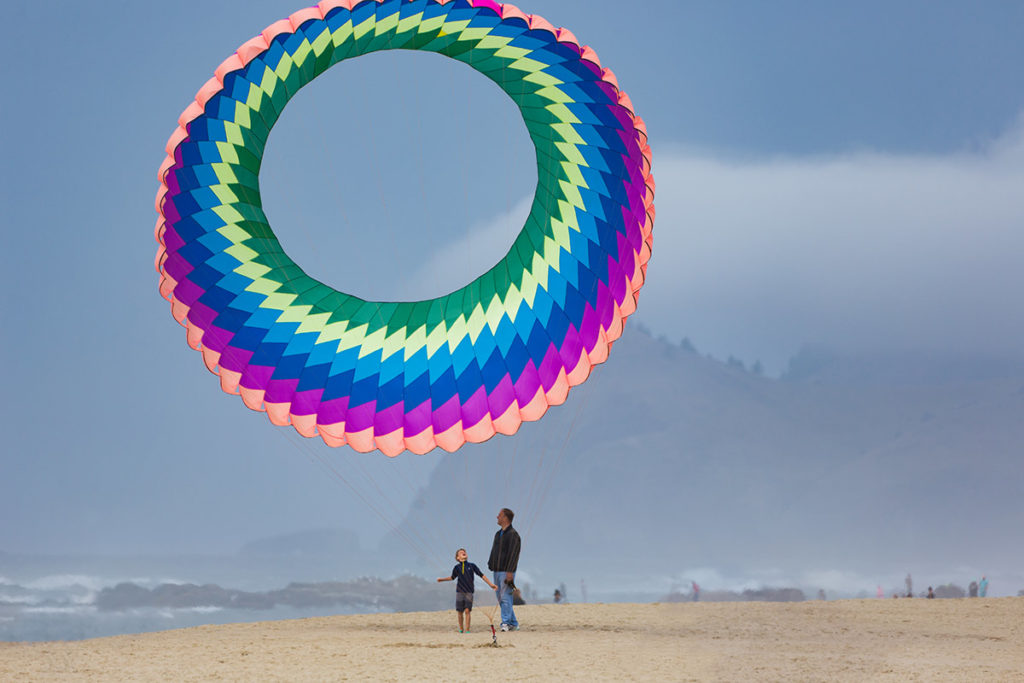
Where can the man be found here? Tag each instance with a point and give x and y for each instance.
(503, 562)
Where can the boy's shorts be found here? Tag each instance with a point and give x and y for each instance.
(463, 601)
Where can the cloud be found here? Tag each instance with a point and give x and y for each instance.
(864, 251)
(482, 245)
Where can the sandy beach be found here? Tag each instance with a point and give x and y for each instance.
(846, 640)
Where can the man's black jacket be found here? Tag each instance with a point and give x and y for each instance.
(505, 551)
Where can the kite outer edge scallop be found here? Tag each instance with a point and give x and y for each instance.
(381, 434)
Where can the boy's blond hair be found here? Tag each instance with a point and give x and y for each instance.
(460, 550)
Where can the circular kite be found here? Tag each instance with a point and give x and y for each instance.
(411, 375)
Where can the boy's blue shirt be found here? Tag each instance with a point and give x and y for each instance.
(464, 572)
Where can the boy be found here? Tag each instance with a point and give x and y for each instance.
(464, 589)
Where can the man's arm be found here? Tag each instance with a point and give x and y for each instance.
(514, 545)
(492, 559)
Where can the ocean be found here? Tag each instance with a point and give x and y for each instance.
(63, 607)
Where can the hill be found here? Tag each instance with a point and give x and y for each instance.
(667, 461)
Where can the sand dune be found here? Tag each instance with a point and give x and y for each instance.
(848, 640)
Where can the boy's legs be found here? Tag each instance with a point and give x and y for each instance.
(458, 608)
(463, 604)
(467, 606)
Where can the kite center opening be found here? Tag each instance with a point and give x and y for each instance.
(398, 176)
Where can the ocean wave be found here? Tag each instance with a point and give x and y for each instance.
(20, 599)
(203, 609)
(150, 582)
(67, 590)
(76, 610)
(67, 582)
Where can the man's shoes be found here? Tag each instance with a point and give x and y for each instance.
(504, 628)
(514, 628)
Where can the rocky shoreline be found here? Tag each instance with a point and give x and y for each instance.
(404, 593)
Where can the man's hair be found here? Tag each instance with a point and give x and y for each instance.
(460, 550)
(509, 515)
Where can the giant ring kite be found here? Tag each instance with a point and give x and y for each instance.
(409, 375)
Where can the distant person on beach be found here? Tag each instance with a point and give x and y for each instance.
(558, 596)
(504, 561)
(910, 586)
(972, 589)
(696, 591)
(983, 587)
(464, 572)
(931, 593)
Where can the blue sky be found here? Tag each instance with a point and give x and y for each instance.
(842, 173)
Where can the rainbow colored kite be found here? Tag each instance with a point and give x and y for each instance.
(409, 375)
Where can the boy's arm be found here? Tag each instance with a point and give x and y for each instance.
(486, 580)
(445, 578)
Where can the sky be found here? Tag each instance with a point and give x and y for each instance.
(829, 173)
